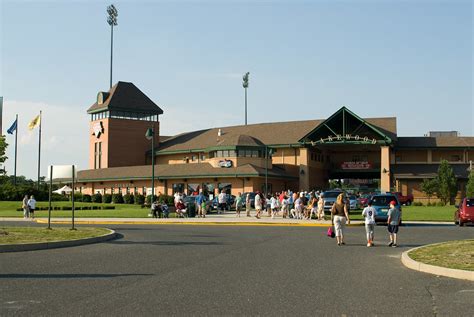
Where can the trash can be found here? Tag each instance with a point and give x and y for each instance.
(191, 210)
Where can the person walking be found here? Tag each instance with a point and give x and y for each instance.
(26, 209)
(248, 204)
(369, 214)
(258, 205)
(154, 210)
(340, 216)
(32, 206)
(393, 221)
(274, 205)
(238, 204)
(222, 200)
(312, 207)
(299, 207)
(284, 207)
(321, 203)
(200, 202)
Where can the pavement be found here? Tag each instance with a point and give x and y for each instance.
(232, 270)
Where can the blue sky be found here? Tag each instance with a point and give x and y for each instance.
(409, 59)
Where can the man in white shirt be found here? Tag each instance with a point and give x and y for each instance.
(222, 200)
(258, 204)
(369, 215)
(32, 206)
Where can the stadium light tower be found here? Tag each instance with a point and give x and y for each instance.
(112, 20)
(245, 84)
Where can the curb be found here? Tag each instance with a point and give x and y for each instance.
(436, 270)
(269, 224)
(56, 244)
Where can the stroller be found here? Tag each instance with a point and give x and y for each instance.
(181, 211)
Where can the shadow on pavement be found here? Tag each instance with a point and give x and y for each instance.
(169, 243)
(66, 276)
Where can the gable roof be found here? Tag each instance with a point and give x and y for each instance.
(126, 97)
(275, 134)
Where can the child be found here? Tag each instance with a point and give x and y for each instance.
(274, 204)
(393, 221)
(238, 204)
(164, 208)
(369, 215)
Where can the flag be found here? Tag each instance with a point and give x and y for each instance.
(34, 123)
(13, 127)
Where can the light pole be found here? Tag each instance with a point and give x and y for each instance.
(245, 84)
(150, 135)
(112, 20)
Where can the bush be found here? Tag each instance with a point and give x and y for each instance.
(66, 208)
(417, 203)
(87, 198)
(117, 198)
(169, 200)
(148, 199)
(139, 199)
(107, 198)
(97, 198)
(77, 197)
(440, 204)
(128, 199)
(108, 207)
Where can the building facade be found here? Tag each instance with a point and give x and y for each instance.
(298, 155)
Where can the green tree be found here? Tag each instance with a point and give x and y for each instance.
(3, 157)
(446, 180)
(470, 185)
(429, 187)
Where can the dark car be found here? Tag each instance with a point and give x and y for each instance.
(192, 200)
(464, 212)
(381, 203)
(230, 202)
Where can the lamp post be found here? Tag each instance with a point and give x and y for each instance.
(150, 135)
(112, 20)
(245, 84)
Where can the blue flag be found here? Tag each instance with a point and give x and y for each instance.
(12, 128)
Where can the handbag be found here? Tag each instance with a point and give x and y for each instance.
(331, 232)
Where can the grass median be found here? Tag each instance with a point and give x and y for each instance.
(454, 255)
(23, 235)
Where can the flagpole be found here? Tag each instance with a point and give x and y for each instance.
(39, 150)
(16, 139)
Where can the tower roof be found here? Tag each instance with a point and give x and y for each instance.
(126, 97)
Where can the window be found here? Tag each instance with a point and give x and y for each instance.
(254, 153)
(455, 158)
(143, 190)
(232, 153)
(193, 189)
(178, 188)
(219, 154)
(226, 187)
(193, 158)
(97, 155)
(203, 157)
(135, 191)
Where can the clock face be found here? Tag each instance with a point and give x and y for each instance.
(98, 129)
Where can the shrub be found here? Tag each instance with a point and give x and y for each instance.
(97, 198)
(117, 198)
(169, 200)
(417, 203)
(149, 200)
(87, 198)
(108, 207)
(440, 204)
(128, 199)
(107, 198)
(66, 208)
(78, 197)
(139, 199)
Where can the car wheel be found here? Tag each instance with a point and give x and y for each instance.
(461, 224)
(456, 221)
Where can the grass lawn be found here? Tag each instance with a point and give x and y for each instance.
(18, 235)
(419, 213)
(453, 255)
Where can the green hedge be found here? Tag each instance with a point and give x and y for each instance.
(97, 198)
(87, 198)
(117, 198)
(139, 199)
(128, 199)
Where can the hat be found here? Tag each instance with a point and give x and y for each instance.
(393, 202)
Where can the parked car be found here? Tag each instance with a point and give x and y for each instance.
(354, 202)
(192, 200)
(404, 200)
(364, 200)
(381, 203)
(330, 198)
(230, 202)
(464, 212)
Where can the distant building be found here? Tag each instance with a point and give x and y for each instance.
(440, 134)
(296, 155)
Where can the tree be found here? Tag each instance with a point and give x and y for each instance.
(470, 185)
(446, 180)
(3, 157)
(429, 187)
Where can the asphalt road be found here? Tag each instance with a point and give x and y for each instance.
(231, 270)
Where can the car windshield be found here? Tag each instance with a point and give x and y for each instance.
(382, 200)
(331, 194)
(470, 202)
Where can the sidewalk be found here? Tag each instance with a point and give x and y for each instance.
(212, 219)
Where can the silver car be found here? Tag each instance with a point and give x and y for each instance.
(330, 197)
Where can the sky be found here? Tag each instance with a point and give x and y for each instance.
(406, 59)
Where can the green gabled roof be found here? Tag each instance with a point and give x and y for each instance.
(343, 123)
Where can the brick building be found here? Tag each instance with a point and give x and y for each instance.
(284, 155)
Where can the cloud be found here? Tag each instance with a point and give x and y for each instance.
(64, 136)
